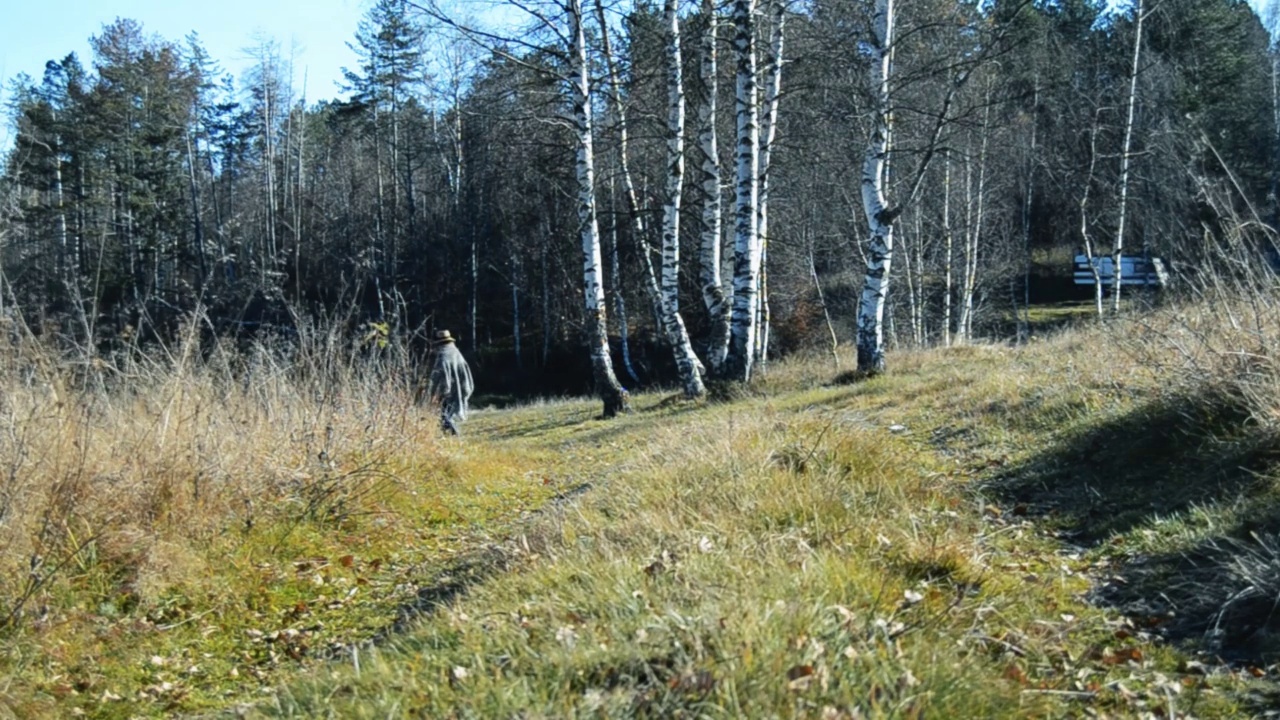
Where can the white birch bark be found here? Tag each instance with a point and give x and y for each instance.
(67, 271)
(607, 385)
(948, 241)
(914, 275)
(687, 362)
(874, 202)
(974, 236)
(638, 226)
(768, 130)
(713, 295)
(746, 251)
(1118, 250)
(1085, 236)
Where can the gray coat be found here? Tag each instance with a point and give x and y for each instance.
(451, 384)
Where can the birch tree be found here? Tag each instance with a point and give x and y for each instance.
(746, 249)
(638, 226)
(975, 207)
(1086, 238)
(607, 385)
(1125, 155)
(687, 363)
(880, 217)
(570, 36)
(768, 130)
(880, 214)
(713, 295)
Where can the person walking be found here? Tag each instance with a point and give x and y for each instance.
(451, 383)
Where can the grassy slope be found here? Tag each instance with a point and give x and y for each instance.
(791, 553)
(1042, 536)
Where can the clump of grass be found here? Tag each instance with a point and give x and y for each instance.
(1248, 604)
(112, 478)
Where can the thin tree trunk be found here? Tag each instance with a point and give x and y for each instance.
(762, 311)
(297, 198)
(746, 262)
(1024, 322)
(713, 295)
(1085, 237)
(826, 315)
(545, 272)
(515, 309)
(1117, 253)
(607, 385)
(914, 282)
(1275, 116)
(974, 238)
(473, 302)
(268, 130)
(638, 226)
(197, 220)
(687, 364)
(619, 301)
(65, 270)
(948, 244)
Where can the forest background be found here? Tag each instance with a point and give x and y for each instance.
(442, 188)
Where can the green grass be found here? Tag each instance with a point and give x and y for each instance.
(787, 554)
(984, 532)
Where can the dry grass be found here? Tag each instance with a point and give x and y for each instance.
(162, 513)
(116, 470)
(936, 540)
(789, 553)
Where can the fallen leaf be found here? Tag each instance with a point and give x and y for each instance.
(1121, 656)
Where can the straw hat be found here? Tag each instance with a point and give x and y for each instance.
(442, 337)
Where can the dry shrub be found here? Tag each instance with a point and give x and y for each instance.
(1218, 339)
(124, 469)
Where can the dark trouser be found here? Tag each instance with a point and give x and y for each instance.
(448, 419)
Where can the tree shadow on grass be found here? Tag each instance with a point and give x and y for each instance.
(511, 429)
(1157, 462)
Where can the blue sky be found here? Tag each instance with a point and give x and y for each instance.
(32, 33)
(315, 31)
